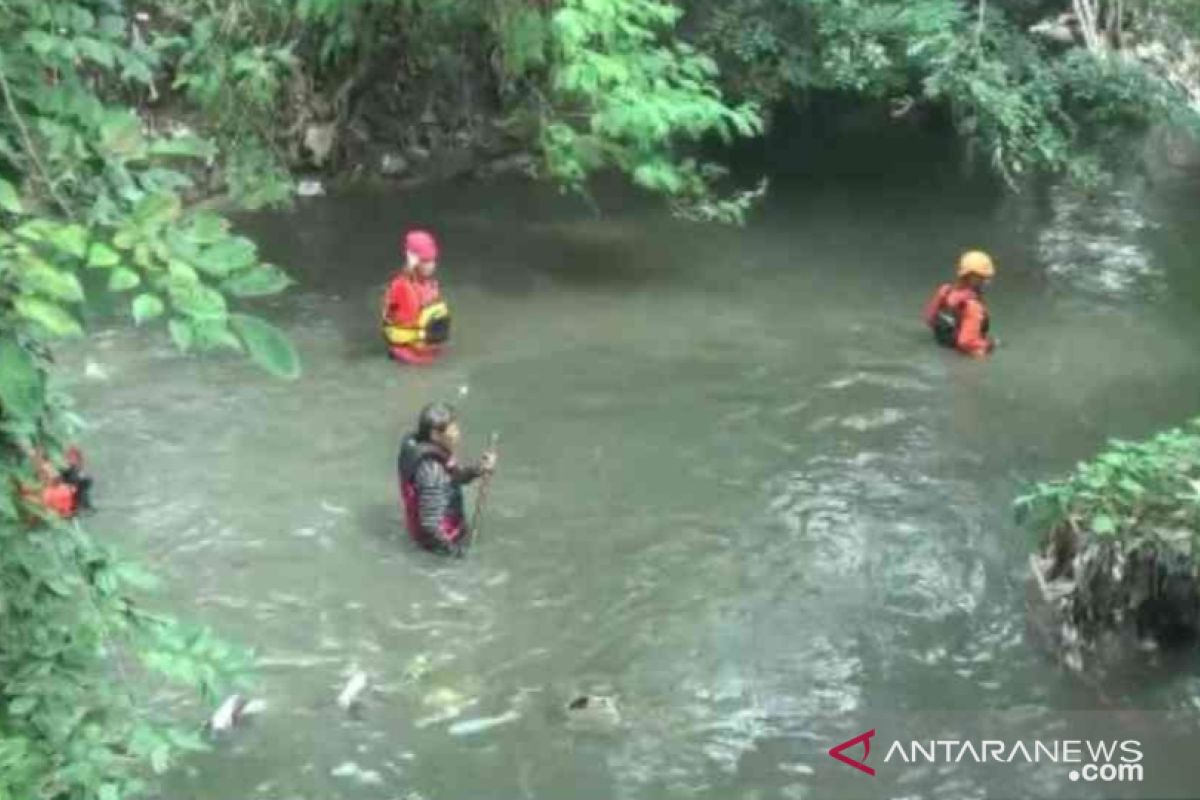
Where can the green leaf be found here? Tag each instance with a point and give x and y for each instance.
(56, 320)
(10, 201)
(186, 146)
(71, 239)
(1103, 525)
(268, 346)
(123, 279)
(109, 791)
(147, 307)
(181, 334)
(22, 390)
(21, 706)
(98, 51)
(157, 209)
(265, 279)
(101, 255)
(57, 284)
(121, 135)
(227, 256)
(207, 228)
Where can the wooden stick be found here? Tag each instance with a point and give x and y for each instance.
(481, 498)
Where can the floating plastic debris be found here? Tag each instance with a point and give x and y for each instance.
(468, 727)
(310, 188)
(233, 711)
(353, 689)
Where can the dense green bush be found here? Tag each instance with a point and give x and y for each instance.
(86, 191)
(1124, 528)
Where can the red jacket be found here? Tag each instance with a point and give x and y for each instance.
(972, 337)
(406, 296)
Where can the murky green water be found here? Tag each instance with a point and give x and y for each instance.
(740, 489)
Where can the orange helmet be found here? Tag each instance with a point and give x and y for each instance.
(976, 262)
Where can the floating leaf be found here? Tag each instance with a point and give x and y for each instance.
(266, 279)
(123, 279)
(147, 307)
(268, 346)
(9, 199)
(22, 390)
(55, 319)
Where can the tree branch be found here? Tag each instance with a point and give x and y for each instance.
(30, 149)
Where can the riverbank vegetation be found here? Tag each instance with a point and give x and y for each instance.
(1119, 544)
(118, 115)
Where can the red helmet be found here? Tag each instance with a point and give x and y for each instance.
(422, 245)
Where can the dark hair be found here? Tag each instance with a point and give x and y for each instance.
(434, 417)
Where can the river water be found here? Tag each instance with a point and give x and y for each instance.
(740, 489)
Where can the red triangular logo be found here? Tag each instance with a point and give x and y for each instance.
(862, 738)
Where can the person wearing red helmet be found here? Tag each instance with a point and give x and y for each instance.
(416, 321)
(64, 491)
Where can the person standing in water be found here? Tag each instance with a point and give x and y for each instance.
(432, 481)
(956, 313)
(416, 320)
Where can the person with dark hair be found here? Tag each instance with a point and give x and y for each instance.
(431, 481)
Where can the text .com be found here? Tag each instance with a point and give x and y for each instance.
(1108, 773)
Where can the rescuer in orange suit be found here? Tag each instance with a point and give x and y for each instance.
(416, 320)
(956, 313)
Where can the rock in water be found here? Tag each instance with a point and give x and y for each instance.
(593, 712)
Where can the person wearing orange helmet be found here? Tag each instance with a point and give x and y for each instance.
(956, 313)
(416, 321)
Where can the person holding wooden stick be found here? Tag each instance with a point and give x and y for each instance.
(432, 481)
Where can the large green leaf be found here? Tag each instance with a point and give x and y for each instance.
(147, 307)
(57, 284)
(72, 239)
(22, 389)
(9, 199)
(121, 135)
(122, 279)
(197, 301)
(22, 706)
(227, 256)
(268, 346)
(207, 228)
(51, 316)
(266, 279)
(101, 255)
